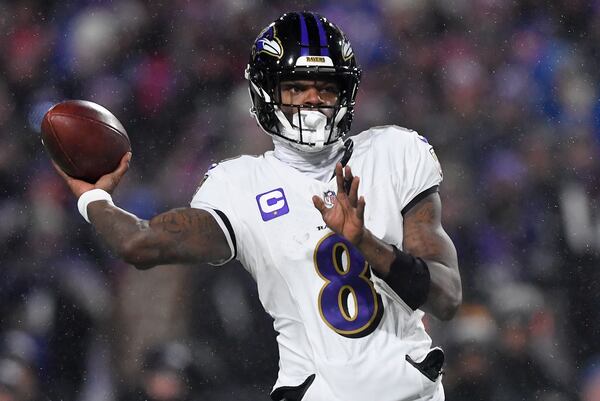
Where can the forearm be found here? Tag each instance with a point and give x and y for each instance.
(377, 252)
(117, 227)
(184, 235)
(436, 249)
(425, 238)
(407, 275)
(444, 292)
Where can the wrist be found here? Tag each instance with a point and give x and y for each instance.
(362, 238)
(90, 196)
(409, 277)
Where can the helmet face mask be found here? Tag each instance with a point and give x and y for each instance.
(302, 47)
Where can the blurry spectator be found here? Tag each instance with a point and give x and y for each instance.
(590, 381)
(529, 365)
(167, 374)
(18, 380)
(579, 200)
(470, 372)
(50, 324)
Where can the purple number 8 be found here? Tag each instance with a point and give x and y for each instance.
(348, 302)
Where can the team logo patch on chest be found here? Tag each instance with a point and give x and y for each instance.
(328, 198)
(272, 204)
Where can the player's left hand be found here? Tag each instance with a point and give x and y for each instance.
(346, 217)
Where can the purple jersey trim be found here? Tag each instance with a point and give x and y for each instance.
(304, 43)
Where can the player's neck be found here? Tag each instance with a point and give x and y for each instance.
(318, 165)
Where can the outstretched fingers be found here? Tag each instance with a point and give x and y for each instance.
(351, 184)
(353, 192)
(123, 165)
(360, 208)
(110, 181)
(319, 204)
(348, 177)
(339, 178)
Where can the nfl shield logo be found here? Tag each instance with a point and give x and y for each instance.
(328, 197)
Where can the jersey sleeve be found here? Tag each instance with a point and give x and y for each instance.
(214, 196)
(418, 172)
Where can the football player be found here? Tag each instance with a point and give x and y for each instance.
(342, 235)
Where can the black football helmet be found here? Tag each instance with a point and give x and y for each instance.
(302, 46)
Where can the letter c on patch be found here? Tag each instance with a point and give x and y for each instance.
(272, 204)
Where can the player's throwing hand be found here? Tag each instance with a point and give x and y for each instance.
(346, 217)
(107, 182)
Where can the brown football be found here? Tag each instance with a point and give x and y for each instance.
(84, 139)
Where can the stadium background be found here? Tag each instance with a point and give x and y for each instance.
(507, 92)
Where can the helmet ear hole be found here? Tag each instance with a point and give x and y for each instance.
(257, 76)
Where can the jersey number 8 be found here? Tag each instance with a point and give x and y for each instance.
(348, 302)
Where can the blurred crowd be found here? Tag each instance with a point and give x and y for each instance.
(507, 91)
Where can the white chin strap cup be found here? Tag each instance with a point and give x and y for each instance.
(313, 127)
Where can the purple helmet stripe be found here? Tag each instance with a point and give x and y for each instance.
(304, 43)
(322, 37)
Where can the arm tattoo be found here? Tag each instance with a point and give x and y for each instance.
(179, 221)
(422, 229)
(184, 235)
(172, 222)
(425, 237)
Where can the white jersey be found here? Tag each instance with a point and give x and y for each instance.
(334, 318)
